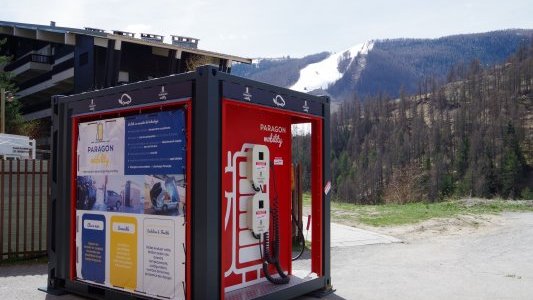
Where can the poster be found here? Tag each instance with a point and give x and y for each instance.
(130, 201)
(123, 252)
(158, 258)
(93, 247)
(155, 143)
(101, 147)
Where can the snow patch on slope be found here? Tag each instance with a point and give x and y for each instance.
(321, 74)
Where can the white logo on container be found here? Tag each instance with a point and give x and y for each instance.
(163, 94)
(246, 95)
(279, 101)
(92, 106)
(125, 99)
(306, 107)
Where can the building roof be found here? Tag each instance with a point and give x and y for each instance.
(66, 35)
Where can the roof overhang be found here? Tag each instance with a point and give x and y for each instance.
(66, 35)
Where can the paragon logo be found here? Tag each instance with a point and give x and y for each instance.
(125, 99)
(279, 101)
(272, 128)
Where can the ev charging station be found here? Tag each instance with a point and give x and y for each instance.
(180, 188)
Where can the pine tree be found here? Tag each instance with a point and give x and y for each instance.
(512, 168)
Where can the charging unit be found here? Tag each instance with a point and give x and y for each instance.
(259, 204)
(180, 188)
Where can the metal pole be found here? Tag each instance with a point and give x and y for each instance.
(3, 110)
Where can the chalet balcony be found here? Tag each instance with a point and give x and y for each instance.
(30, 66)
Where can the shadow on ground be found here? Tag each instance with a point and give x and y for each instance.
(23, 270)
(334, 297)
(328, 297)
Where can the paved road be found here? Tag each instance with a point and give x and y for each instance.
(347, 236)
(493, 264)
(21, 283)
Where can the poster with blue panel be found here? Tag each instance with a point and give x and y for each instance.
(155, 143)
(93, 247)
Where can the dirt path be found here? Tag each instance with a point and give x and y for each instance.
(459, 225)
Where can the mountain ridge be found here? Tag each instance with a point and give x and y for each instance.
(388, 65)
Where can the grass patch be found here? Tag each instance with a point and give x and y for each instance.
(400, 214)
(394, 214)
(397, 214)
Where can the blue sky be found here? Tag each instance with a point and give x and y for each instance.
(278, 28)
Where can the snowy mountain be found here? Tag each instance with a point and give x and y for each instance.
(385, 66)
(322, 74)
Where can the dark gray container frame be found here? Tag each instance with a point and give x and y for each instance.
(206, 87)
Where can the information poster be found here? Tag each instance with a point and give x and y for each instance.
(102, 146)
(158, 258)
(123, 252)
(93, 247)
(130, 202)
(154, 143)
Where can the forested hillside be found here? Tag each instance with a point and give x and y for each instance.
(472, 136)
(393, 64)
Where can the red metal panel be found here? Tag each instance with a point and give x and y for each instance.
(223, 250)
(241, 124)
(74, 146)
(251, 276)
(316, 205)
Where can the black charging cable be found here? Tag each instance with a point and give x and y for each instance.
(301, 237)
(271, 255)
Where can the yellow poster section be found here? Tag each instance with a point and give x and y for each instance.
(123, 252)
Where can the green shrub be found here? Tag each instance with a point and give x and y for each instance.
(527, 194)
